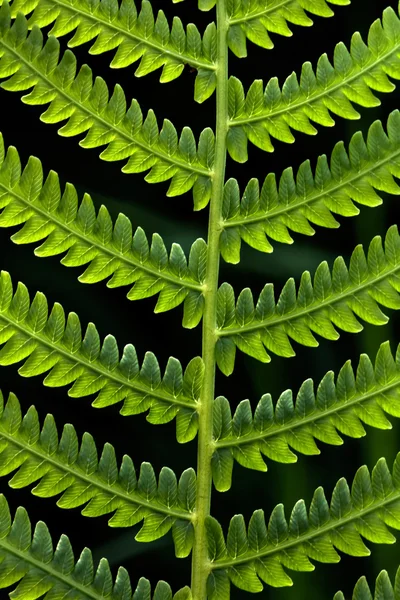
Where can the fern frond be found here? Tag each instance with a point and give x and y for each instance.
(50, 344)
(358, 174)
(384, 588)
(87, 107)
(263, 553)
(273, 112)
(337, 407)
(42, 572)
(332, 300)
(64, 225)
(137, 35)
(36, 455)
(253, 20)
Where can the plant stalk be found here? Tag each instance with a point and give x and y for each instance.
(200, 561)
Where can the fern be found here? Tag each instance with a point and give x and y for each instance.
(52, 343)
(338, 297)
(90, 238)
(77, 473)
(40, 571)
(336, 407)
(262, 552)
(135, 34)
(383, 587)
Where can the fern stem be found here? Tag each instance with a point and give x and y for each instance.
(200, 563)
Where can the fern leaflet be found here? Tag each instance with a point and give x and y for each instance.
(262, 114)
(262, 552)
(333, 300)
(29, 64)
(64, 467)
(44, 572)
(50, 344)
(336, 407)
(137, 35)
(90, 238)
(254, 19)
(383, 588)
(312, 198)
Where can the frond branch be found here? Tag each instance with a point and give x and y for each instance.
(262, 552)
(355, 174)
(88, 109)
(135, 35)
(334, 299)
(31, 562)
(355, 74)
(50, 343)
(279, 431)
(87, 237)
(65, 467)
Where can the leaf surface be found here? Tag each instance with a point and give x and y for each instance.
(335, 299)
(64, 466)
(279, 431)
(263, 552)
(87, 107)
(54, 345)
(357, 175)
(274, 112)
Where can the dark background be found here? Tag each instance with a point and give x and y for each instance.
(148, 206)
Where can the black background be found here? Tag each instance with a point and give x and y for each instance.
(148, 206)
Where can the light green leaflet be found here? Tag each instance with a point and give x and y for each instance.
(273, 112)
(53, 343)
(136, 34)
(87, 237)
(41, 571)
(278, 431)
(384, 590)
(87, 107)
(358, 175)
(332, 300)
(66, 467)
(262, 552)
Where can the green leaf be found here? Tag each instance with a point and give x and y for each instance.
(336, 299)
(137, 35)
(72, 470)
(51, 345)
(312, 97)
(88, 108)
(30, 561)
(264, 552)
(384, 589)
(255, 20)
(357, 175)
